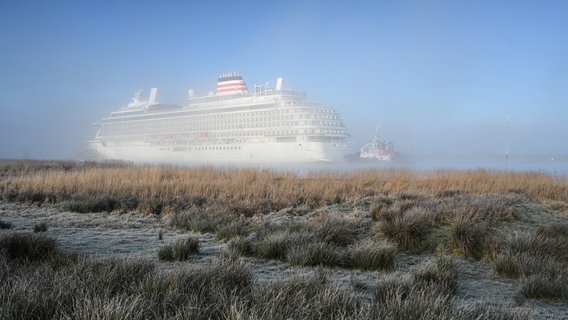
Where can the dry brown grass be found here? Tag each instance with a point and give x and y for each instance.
(170, 188)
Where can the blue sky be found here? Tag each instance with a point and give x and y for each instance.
(440, 76)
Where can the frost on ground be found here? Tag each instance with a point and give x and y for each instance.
(137, 235)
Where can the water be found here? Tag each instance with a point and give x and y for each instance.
(541, 163)
(557, 165)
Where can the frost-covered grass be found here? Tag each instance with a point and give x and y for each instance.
(78, 288)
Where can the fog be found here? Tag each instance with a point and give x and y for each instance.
(441, 79)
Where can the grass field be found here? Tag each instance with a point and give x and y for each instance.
(363, 221)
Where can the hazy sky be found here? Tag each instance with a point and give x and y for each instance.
(440, 76)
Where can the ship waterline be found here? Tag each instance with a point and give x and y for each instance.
(233, 126)
(248, 152)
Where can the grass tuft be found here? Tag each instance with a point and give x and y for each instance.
(539, 286)
(314, 254)
(308, 297)
(275, 246)
(5, 225)
(529, 254)
(40, 227)
(28, 247)
(554, 231)
(443, 274)
(468, 238)
(407, 229)
(336, 231)
(241, 246)
(181, 250)
(237, 228)
(375, 257)
(402, 299)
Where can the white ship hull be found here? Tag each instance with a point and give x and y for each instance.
(247, 153)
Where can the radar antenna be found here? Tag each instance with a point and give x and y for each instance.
(136, 97)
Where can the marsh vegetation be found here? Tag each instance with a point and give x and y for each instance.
(406, 237)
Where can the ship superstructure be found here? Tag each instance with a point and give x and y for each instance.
(230, 126)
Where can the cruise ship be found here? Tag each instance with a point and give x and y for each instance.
(232, 125)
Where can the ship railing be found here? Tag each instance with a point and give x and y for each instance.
(219, 98)
(268, 91)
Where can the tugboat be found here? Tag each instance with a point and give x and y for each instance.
(378, 149)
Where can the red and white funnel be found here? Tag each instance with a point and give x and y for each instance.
(231, 83)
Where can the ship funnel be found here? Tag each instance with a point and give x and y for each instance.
(153, 96)
(231, 83)
(279, 83)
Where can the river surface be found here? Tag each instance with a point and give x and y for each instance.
(557, 165)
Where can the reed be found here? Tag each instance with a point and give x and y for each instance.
(250, 191)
